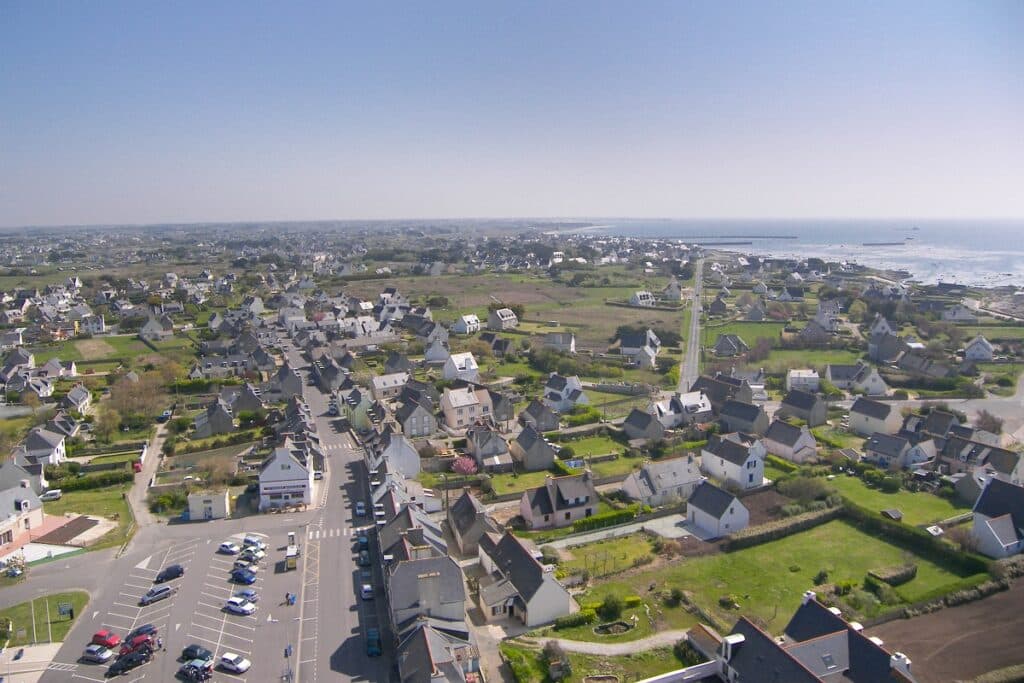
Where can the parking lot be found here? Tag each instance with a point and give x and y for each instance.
(194, 613)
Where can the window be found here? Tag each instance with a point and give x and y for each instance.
(568, 515)
(732, 510)
(750, 478)
(547, 518)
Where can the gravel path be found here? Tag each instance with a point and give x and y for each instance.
(660, 639)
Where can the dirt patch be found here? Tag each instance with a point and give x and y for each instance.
(94, 349)
(764, 506)
(67, 532)
(961, 642)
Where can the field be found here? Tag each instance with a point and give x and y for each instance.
(917, 508)
(592, 445)
(631, 667)
(994, 332)
(605, 557)
(767, 580)
(94, 349)
(39, 621)
(781, 360)
(748, 332)
(126, 349)
(103, 502)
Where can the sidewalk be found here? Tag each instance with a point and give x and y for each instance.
(138, 491)
(32, 664)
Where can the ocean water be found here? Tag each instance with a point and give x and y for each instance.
(987, 253)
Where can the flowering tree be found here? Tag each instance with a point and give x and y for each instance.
(464, 465)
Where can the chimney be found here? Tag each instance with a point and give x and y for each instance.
(857, 626)
(730, 644)
(808, 596)
(900, 662)
(429, 586)
(835, 611)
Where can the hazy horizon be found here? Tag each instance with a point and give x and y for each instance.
(120, 113)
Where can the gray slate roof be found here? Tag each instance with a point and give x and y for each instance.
(711, 499)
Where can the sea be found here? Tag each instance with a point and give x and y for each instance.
(983, 253)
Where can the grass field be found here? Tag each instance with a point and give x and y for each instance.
(39, 621)
(748, 332)
(616, 405)
(994, 332)
(103, 502)
(767, 580)
(126, 348)
(843, 438)
(593, 445)
(917, 508)
(781, 360)
(605, 557)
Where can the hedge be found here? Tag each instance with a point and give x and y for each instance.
(895, 576)
(584, 616)
(561, 468)
(93, 481)
(632, 601)
(781, 464)
(772, 531)
(606, 519)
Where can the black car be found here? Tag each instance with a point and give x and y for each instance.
(144, 630)
(130, 661)
(194, 651)
(173, 571)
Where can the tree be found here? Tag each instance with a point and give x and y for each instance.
(988, 422)
(611, 608)
(109, 421)
(858, 310)
(31, 399)
(464, 465)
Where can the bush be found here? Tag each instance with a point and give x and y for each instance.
(676, 596)
(611, 608)
(632, 601)
(780, 463)
(584, 616)
(605, 519)
(464, 466)
(93, 481)
(773, 531)
(889, 485)
(803, 489)
(895, 576)
(685, 653)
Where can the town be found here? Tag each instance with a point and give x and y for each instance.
(500, 451)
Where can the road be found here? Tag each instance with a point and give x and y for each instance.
(690, 368)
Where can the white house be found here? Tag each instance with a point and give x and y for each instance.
(642, 298)
(979, 349)
(683, 409)
(204, 505)
(658, 482)
(397, 450)
(388, 386)
(795, 444)
(859, 377)
(562, 394)
(461, 366)
(880, 327)
(45, 447)
(959, 314)
(868, 417)
(805, 378)
(999, 519)
(517, 586)
(467, 324)
(716, 512)
(502, 319)
(285, 478)
(735, 459)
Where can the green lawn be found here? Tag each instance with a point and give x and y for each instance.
(512, 482)
(781, 360)
(620, 467)
(103, 502)
(592, 445)
(637, 666)
(994, 332)
(918, 508)
(606, 557)
(748, 332)
(39, 621)
(618, 405)
(843, 438)
(762, 580)
(125, 456)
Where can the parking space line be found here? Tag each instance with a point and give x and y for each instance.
(135, 585)
(121, 604)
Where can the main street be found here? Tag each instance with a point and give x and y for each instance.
(689, 370)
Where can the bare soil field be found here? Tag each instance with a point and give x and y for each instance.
(764, 506)
(94, 349)
(961, 642)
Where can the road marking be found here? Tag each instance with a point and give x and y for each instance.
(59, 666)
(144, 563)
(94, 613)
(176, 627)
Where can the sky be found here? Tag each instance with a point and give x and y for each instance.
(153, 112)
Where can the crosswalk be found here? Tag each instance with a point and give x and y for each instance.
(337, 532)
(334, 446)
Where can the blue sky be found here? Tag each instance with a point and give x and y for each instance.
(142, 112)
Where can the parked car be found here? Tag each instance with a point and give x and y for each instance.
(144, 630)
(52, 494)
(248, 594)
(317, 474)
(106, 638)
(363, 541)
(364, 558)
(229, 548)
(254, 542)
(97, 654)
(157, 594)
(194, 651)
(242, 563)
(173, 571)
(196, 670)
(366, 592)
(129, 662)
(236, 664)
(137, 643)
(244, 576)
(360, 509)
(164, 416)
(237, 605)
(252, 554)
(373, 644)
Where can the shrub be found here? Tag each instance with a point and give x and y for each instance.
(779, 529)
(584, 616)
(895, 576)
(780, 463)
(821, 577)
(94, 481)
(550, 555)
(632, 601)
(464, 466)
(685, 653)
(676, 596)
(803, 489)
(728, 602)
(605, 519)
(889, 485)
(611, 607)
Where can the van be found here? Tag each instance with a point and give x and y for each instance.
(52, 494)
(157, 594)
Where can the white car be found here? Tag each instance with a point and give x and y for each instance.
(252, 554)
(97, 654)
(246, 564)
(237, 605)
(254, 542)
(366, 591)
(234, 663)
(229, 548)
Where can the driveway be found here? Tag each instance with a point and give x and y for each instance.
(671, 526)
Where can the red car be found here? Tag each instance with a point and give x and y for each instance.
(137, 643)
(107, 639)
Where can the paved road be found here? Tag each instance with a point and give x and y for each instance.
(690, 369)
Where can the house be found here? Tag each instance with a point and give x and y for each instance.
(437, 352)
(743, 417)
(642, 347)
(388, 386)
(736, 459)
(718, 307)
(539, 416)
(793, 443)
(860, 378)
(999, 519)
(715, 511)
(562, 394)
(722, 388)
(959, 314)
(805, 406)
(44, 447)
(392, 446)
(886, 348)
(409, 532)
(502, 319)
(248, 399)
(288, 382)
(429, 652)
(216, 419)
(964, 455)
(803, 379)
(469, 522)
(204, 505)
(755, 313)
(63, 423)
(461, 407)
(673, 291)
(157, 329)
(21, 511)
(660, 482)
(729, 345)
(489, 448)
(641, 425)
(416, 417)
(880, 327)
(886, 451)
(461, 366)
(467, 324)
(517, 586)
(563, 342)
(425, 587)
(285, 478)
(532, 451)
(683, 409)
(868, 417)
(559, 501)
(642, 298)
(78, 399)
(979, 349)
